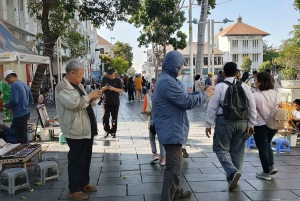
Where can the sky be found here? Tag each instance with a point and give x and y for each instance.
(276, 17)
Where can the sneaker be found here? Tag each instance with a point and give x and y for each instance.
(234, 181)
(264, 176)
(182, 194)
(162, 161)
(78, 195)
(184, 153)
(106, 134)
(154, 158)
(113, 135)
(274, 170)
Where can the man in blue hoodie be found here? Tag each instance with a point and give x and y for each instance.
(19, 101)
(169, 105)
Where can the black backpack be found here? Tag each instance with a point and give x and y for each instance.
(236, 103)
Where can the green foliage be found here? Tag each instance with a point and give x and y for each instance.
(160, 21)
(73, 41)
(211, 3)
(131, 72)
(246, 64)
(270, 52)
(119, 64)
(264, 66)
(124, 51)
(104, 59)
(289, 59)
(297, 4)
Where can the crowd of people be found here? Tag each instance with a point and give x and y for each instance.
(239, 106)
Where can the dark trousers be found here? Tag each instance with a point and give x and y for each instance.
(20, 127)
(130, 94)
(263, 137)
(79, 161)
(113, 111)
(172, 171)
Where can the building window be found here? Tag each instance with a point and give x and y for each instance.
(21, 5)
(235, 58)
(255, 43)
(187, 60)
(205, 61)
(194, 61)
(255, 57)
(219, 61)
(245, 55)
(101, 50)
(235, 44)
(245, 44)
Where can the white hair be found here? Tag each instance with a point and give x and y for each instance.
(74, 65)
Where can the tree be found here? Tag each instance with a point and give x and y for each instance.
(264, 66)
(75, 43)
(270, 52)
(160, 22)
(205, 7)
(124, 51)
(246, 64)
(297, 4)
(54, 17)
(119, 64)
(106, 60)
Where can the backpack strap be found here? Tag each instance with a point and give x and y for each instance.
(261, 115)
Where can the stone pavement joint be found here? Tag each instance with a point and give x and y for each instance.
(121, 168)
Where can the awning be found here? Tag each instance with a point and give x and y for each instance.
(11, 49)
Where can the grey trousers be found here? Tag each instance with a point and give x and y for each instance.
(172, 171)
(229, 145)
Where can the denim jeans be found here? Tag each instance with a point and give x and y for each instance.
(229, 144)
(263, 137)
(153, 145)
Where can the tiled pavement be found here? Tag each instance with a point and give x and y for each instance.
(121, 171)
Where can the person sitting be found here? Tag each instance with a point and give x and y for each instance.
(8, 134)
(296, 113)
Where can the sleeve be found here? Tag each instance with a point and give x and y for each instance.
(120, 86)
(14, 96)
(30, 97)
(252, 107)
(103, 83)
(213, 105)
(178, 97)
(71, 100)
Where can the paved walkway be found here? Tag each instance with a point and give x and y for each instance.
(121, 171)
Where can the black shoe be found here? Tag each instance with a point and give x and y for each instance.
(113, 135)
(182, 194)
(106, 134)
(184, 153)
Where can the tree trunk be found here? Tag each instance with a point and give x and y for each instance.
(201, 37)
(49, 42)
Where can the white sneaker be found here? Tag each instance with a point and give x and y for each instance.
(154, 158)
(264, 176)
(162, 161)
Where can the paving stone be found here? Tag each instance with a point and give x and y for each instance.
(144, 189)
(215, 186)
(157, 197)
(222, 196)
(47, 195)
(274, 184)
(271, 195)
(123, 198)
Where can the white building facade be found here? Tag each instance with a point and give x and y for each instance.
(241, 40)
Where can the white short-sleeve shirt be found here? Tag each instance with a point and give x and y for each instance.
(296, 114)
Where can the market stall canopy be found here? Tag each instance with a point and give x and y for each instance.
(11, 49)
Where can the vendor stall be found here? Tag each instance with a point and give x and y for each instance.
(18, 154)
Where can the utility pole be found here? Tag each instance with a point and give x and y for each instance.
(191, 43)
(208, 45)
(213, 50)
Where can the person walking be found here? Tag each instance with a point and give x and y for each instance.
(220, 77)
(197, 84)
(245, 78)
(228, 142)
(266, 99)
(208, 80)
(18, 104)
(79, 126)
(138, 87)
(169, 105)
(130, 87)
(112, 88)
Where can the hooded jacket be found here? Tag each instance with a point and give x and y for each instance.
(170, 102)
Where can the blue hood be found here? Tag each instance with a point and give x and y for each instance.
(172, 63)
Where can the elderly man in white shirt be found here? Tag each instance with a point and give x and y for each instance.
(228, 141)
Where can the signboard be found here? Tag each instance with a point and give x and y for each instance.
(186, 71)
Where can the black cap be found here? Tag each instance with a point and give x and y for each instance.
(110, 71)
(238, 70)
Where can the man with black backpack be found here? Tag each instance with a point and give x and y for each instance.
(232, 110)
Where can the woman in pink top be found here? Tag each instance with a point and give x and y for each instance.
(265, 99)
